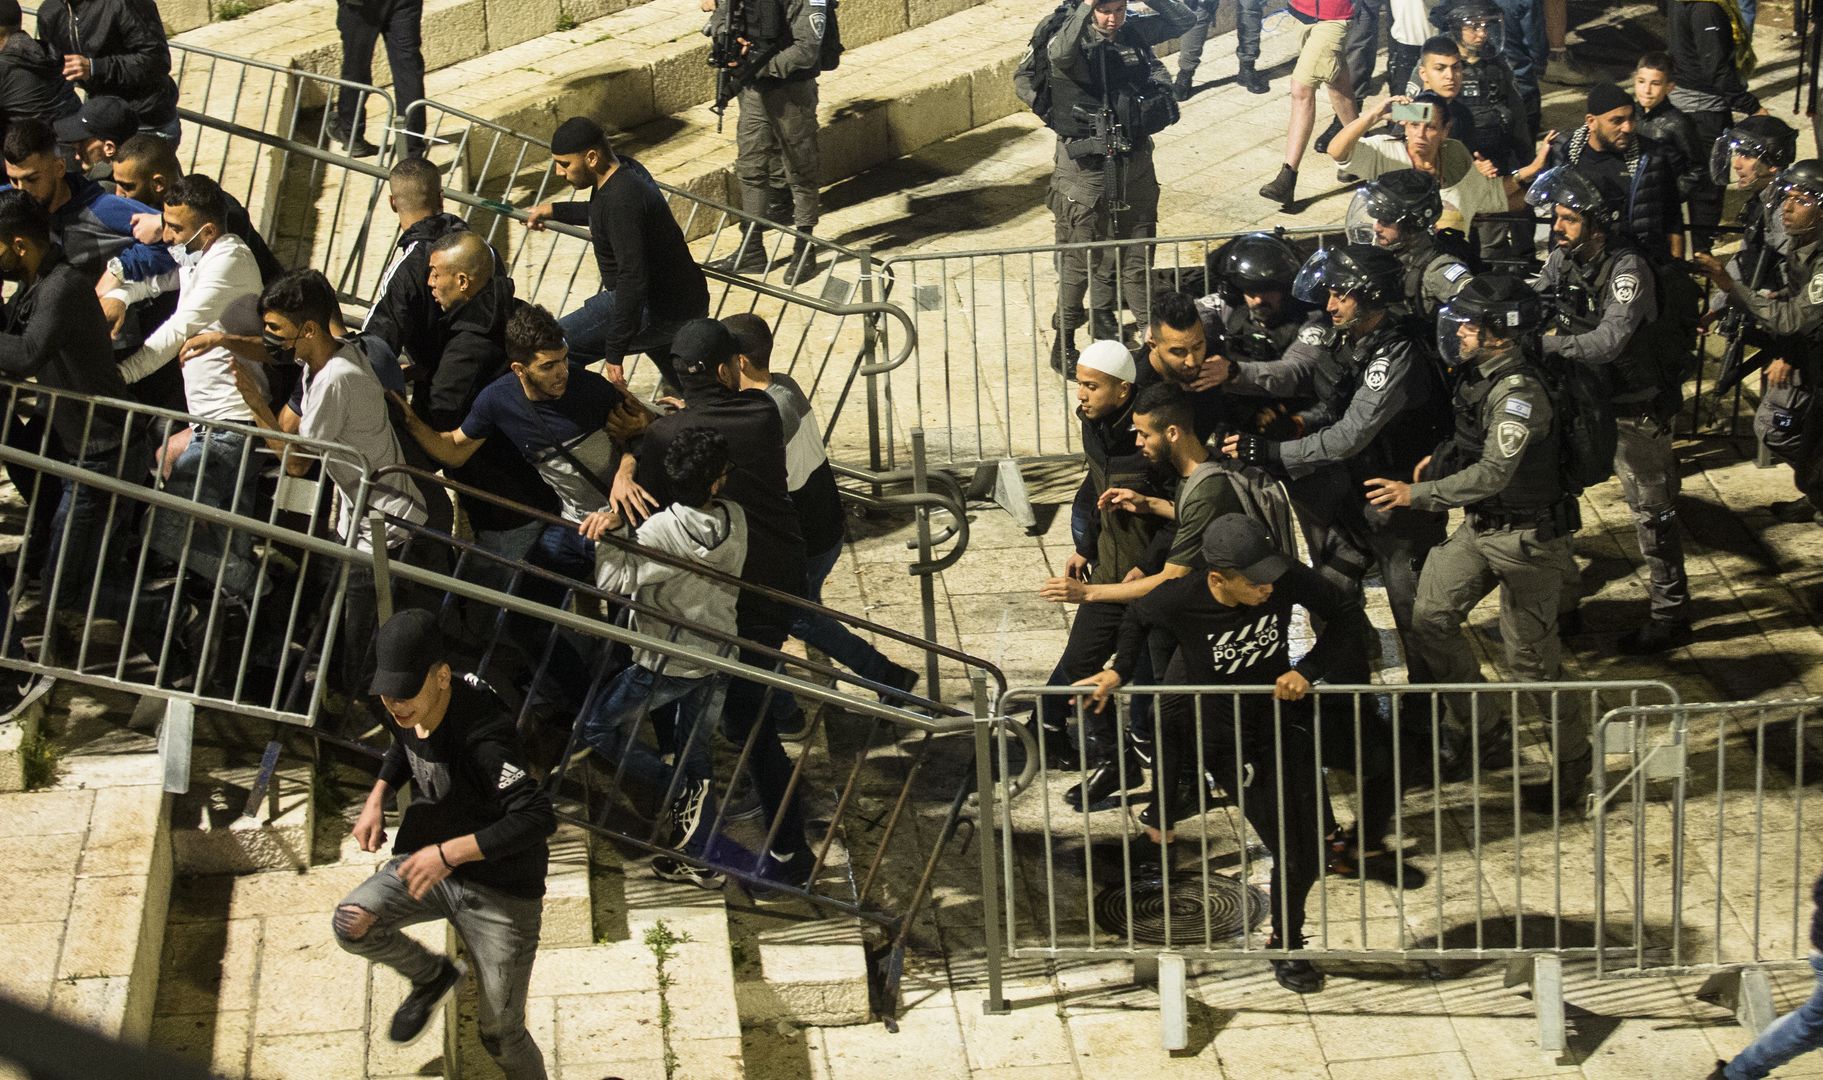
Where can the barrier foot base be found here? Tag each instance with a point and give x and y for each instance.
(1746, 992)
(1173, 1002)
(1544, 976)
(174, 739)
(1002, 482)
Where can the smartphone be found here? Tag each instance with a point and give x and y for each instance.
(1412, 112)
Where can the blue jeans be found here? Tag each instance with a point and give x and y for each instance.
(207, 472)
(833, 639)
(611, 727)
(1748, 9)
(1790, 1035)
(586, 329)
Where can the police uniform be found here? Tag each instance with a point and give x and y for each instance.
(776, 137)
(1502, 467)
(1275, 357)
(1601, 309)
(1794, 316)
(1433, 273)
(1379, 409)
(1492, 98)
(1079, 57)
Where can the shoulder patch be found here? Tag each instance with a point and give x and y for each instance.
(817, 20)
(1454, 272)
(1311, 335)
(1625, 287)
(1815, 290)
(1519, 407)
(1510, 437)
(510, 774)
(1377, 374)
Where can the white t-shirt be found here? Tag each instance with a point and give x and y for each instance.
(1465, 189)
(343, 403)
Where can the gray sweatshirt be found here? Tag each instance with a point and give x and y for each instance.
(715, 538)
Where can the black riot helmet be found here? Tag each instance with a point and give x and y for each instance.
(1404, 197)
(1256, 262)
(1498, 305)
(1765, 139)
(1575, 188)
(1363, 270)
(1798, 187)
(1462, 20)
(1805, 176)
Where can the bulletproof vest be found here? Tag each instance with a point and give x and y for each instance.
(1537, 484)
(1418, 256)
(1635, 372)
(1408, 437)
(1484, 95)
(1128, 71)
(1245, 339)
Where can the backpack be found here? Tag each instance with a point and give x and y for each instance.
(1263, 498)
(1583, 403)
(1033, 67)
(1672, 336)
(829, 55)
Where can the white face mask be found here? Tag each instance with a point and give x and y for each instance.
(181, 253)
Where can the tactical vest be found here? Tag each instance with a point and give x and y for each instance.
(1245, 339)
(1635, 372)
(1418, 256)
(1407, 438)
(1484, 95)
(1536, 485)
(1074, 104)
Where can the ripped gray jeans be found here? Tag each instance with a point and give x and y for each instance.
(499, 931)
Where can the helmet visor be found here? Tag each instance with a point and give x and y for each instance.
(1728, 146)
(1361, 219)
(1312, 284)
(1450, 324)
(1481, 34)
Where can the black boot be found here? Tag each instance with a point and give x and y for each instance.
(1104, 781)
(749, 257)
(1251, 80)
(1655, 636)
(1794, 512)
(1321, 146)
(1183, 87)
(355, 144)
(1064, 353)
(1281, 189)
(802, 265)
(1569, 794)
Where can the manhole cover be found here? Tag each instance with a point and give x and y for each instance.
(1229, 905)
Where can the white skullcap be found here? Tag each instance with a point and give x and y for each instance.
(1109, 358)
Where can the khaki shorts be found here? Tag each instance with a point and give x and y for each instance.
(1320, 53)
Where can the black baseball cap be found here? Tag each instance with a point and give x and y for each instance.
(702, 345)
(405, 650)
(1238, 543)
(106, 118)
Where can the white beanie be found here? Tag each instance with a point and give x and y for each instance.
(1109, 358)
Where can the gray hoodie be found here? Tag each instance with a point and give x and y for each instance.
(715, 538)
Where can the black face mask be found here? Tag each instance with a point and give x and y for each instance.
(280, 350)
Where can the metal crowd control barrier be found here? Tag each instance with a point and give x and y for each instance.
(983, 385)
(1703, 861)
(1469, 871)
(175, 533)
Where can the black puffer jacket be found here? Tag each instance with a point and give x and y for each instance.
(1673, 130)
(1654, 208)
(31, 84)
(125, 40)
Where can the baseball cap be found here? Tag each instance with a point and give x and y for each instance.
(106, 118)
(1109, 358)
(1237, 542)
(405, 650)
(702, 345)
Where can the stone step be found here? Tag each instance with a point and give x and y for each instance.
(88, 867)
(212, 831)
(806, 973)
(635, 67)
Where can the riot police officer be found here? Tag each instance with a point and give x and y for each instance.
(1605, 302)
(1263, 339)
(1785, 419)
(1399, 212)
(1105, 95)
(1502, 466)
(1379, 409)
(1489, 91)
(1749, 157)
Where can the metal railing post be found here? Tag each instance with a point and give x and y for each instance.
(870, 343)
(990, 813)
(927, 585)
(382, 572)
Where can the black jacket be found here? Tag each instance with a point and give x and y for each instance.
(1655, 210)
(31, 84)
(125, 40)
(1672, 129)
(759, 484)
(641, 255)
(1702, 54)
(406, 315)
(239, 224)
(55, 332)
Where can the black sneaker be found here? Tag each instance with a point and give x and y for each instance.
(1321, 146)
(1720, 1073)
(691, 813)
(356, 145)
(1298, 976)
(413, 1015)
(792, 727)
(1281, 189)
(1794, 511)
(666, 868)
(902, 679)
(791, 871)
(1656, 636)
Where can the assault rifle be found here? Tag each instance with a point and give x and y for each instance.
(1734, 365)
(740, 44)
(1112, 141)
